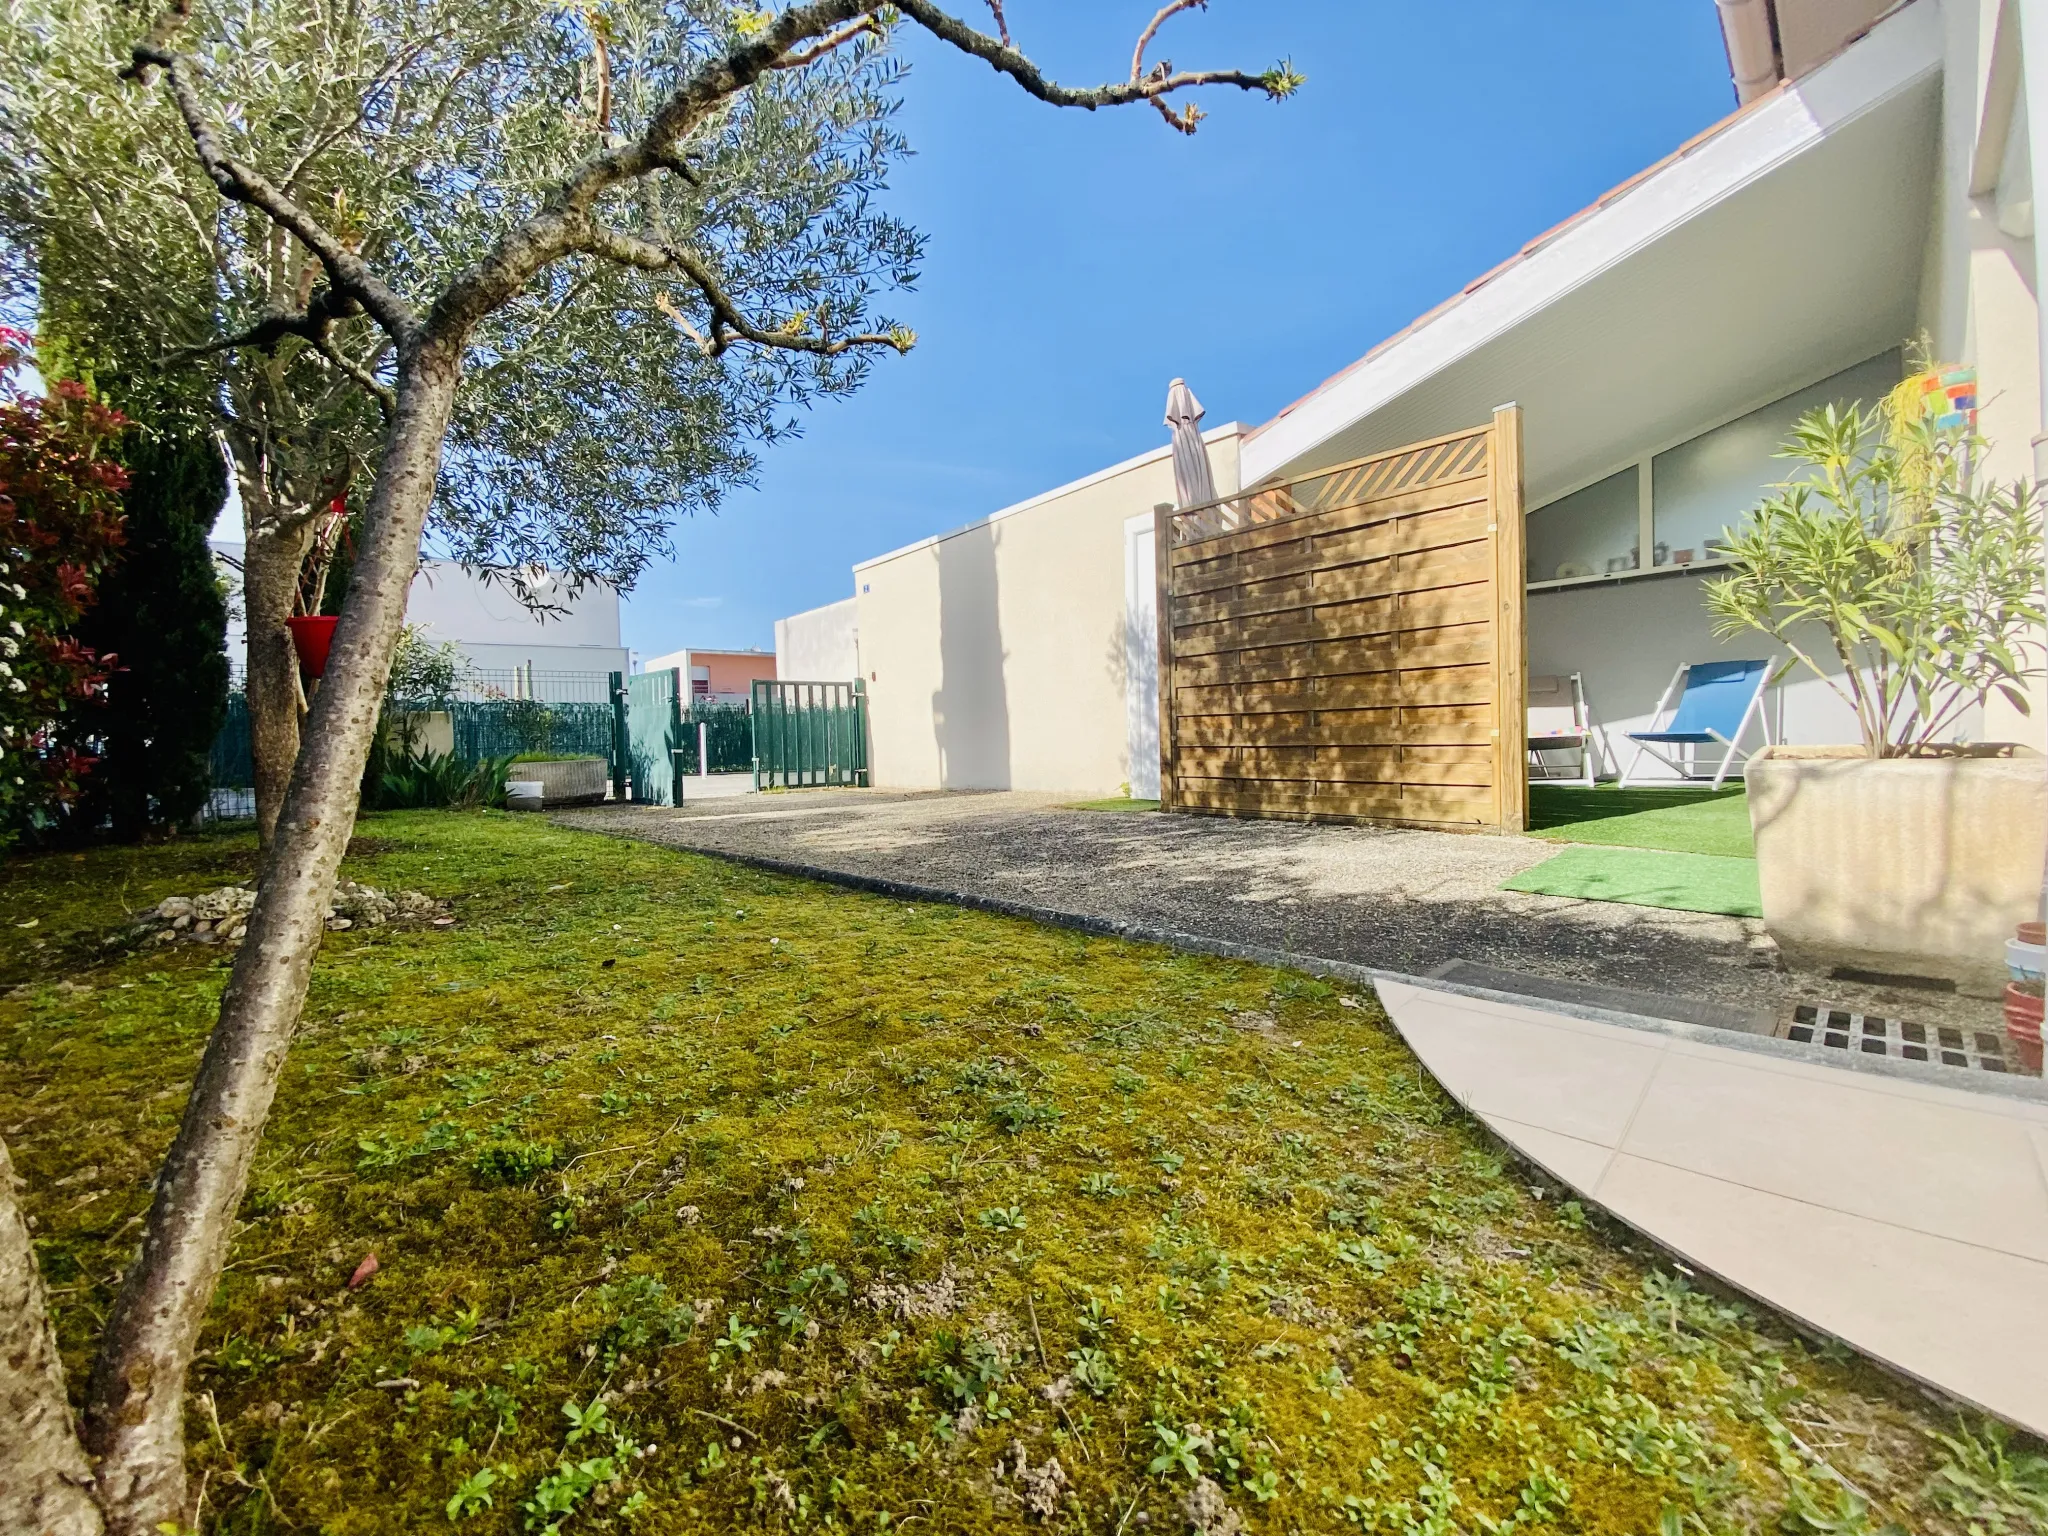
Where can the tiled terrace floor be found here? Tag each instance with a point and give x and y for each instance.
(1907, 1218)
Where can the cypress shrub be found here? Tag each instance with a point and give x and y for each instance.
(163, 615)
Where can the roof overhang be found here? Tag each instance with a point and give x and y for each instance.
(1779, 247)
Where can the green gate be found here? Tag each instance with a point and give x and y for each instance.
(652, 736)
(810, 734)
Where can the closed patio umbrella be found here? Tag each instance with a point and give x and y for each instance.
(1192, 482)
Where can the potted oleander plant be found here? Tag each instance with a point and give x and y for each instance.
(1893, 568)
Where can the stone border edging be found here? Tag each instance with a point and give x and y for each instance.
(2027, 1090)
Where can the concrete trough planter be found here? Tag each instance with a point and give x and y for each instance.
(1914, 866)
(565, 780)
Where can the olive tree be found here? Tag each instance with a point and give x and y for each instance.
(588, 421)
(652, 208)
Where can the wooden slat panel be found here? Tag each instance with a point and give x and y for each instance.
(1196, 565)
(1464, 524)
(1344, 662)
(1376, 477)
(1511, 653)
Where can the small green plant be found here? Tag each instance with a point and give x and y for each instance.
(738, 1339)
(531, 723)
(1990, 1483)
(513, 1162)
(1923, 577)
(472, 1495)
(1002, 1218)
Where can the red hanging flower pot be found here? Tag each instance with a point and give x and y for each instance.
(312, 638)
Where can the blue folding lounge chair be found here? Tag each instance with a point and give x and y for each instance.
(1716, 700)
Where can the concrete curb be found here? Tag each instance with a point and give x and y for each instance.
(2029, 1090)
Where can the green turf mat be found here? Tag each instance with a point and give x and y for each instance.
(1679, 820)
(1685, 882)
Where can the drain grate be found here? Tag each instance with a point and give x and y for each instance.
(1946, 1045)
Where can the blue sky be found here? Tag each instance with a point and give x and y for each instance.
(1079, 261)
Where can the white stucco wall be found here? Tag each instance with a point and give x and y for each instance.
(820, 645)
(1977, 295)
(499, 633)
(995, 654)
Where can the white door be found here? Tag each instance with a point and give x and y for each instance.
(1141, 658)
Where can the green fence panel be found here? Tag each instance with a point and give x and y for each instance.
(505, 727)
(725, 731)
(654, 733)
(809, 734)
(233, 761)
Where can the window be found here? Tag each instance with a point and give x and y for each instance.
(1703, 487)
(1592, 532)
(1681, 502)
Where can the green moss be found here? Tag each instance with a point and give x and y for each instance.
(706, 1200)
(1116, 803)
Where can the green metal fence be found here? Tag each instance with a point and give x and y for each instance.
(233, 760)
(653, 735)
(810, 734)
(502, 727)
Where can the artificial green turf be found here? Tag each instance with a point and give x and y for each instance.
(1684, 882)
(1677, 820)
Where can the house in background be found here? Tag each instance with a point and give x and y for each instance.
(821, 645)
(566, 652)
(716, 677)
(1872, 186)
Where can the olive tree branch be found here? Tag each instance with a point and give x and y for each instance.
(374, 387)
(728, 323)
(830, 41)
(1275, 83)
(346, 271)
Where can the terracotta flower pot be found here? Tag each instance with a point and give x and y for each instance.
(312, 638)
(2023, 1023)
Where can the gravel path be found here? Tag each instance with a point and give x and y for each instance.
(1399, 900)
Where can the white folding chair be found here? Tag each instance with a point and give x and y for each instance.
(1560, 720)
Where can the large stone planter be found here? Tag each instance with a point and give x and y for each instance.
(1917, 866)
(568, 780)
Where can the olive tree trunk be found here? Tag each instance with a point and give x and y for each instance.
(135, 1404)
(277, 541)
(45, 1479)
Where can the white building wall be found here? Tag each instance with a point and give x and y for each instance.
(996, 654)
(499, 633)
(1977, 297)
(821, 645)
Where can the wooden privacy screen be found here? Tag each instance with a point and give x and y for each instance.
(1349, 646)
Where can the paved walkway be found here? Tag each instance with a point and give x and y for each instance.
(1909, 1219)
(1404, 901)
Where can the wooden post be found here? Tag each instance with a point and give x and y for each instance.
(1162, 605)
(1511, 630)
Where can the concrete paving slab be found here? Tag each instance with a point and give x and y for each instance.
(1905, 1218)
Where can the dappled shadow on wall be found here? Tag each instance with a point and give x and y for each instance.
(971, 707)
